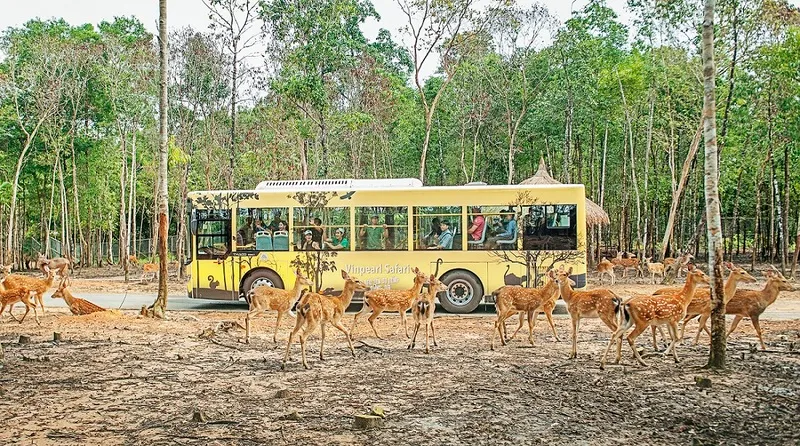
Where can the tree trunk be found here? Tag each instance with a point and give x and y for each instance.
(12, 214)
(234, 68)
(123, 236)
(796, 246)
(676, 197)
(785, 220)
(159, 307)
(716, 358)
(602, 191)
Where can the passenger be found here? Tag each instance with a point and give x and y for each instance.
(246, 232)
(318, 230)
(478, 223)
(510, 229)
(282, 227)
(276, 220)
(308, 243)
(259, 226)
(339, 242)
(374, 234)
(432, 237)
(445, 238)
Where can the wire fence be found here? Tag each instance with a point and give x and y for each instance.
(143, 249)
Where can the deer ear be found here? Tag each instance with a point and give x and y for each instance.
(297, 272)
(690, 267)
(344, 275)
(551, 274)
(569, 272)
(416, 270)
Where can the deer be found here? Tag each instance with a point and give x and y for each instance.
(546, 309)
(59, 264)
(606, 267)
(650, 311)
(701, 303)
(423, 309)
(77, 306)
(265, 298)
(510, 300)
(752, 303)
(39, 286)
(626, 263)
(149, 271)
(682, 262)
(133, 260)
(316, 310)
(599, 302)
(654, 268)
(10, 296)
(390, 300)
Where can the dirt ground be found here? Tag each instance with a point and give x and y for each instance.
(116, 378)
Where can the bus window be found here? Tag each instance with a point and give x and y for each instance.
(258, 229)
(486, 225)
(437, 227)
(213, 234)
(550, 227)
(382, 228)
(322, 225)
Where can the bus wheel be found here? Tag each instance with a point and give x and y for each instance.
(464, 292)
(261, 278)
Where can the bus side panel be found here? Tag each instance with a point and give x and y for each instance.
(213, 279)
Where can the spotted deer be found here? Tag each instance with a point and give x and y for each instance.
(681, 263)
(647, 311)
(605, 267)
(510, 300)
(599, 302)
(751, 303)
(58, 264)
(133, 260)
(266, 298)
(149, 272)
(655, 268)
(77, 306)
(35, 284)
(390, 300)
(701, 303)
(315, 310)
(630, 262)
(10, 296)
(422, 311)
(546, 309)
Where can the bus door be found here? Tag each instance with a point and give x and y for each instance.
(212, 267)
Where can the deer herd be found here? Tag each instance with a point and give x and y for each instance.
(665, 307)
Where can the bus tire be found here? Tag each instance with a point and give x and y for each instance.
(464, 292)
(260, 277)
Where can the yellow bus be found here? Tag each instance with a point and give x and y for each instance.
(475, 238)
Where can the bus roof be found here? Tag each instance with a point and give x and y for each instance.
(338, 184)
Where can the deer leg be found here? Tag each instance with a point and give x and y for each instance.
(632, 342)
(735, 323)
(672, 327)
(617, 334)
(498, 328)
(519, 326)
(27, 310)
(277, 325)
(757, 326)
(298, 324)
(427, 344)
(702, 322)
(405, 323)
(364, 309)
(433, 333)
(338, 324)
(371, 320)
(322, 341)
(655, 340)
(575, 324)
(310, 327)
(414, 338)
(531, 324)
(549, 315)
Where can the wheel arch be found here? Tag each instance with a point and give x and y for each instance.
(256, 270)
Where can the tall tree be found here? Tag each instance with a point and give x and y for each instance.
(160, 305)
(716, 359)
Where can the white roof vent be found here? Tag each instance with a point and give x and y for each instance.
(476, 183)
(338, 184)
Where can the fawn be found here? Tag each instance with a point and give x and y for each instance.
(512, 299)
(76, 305)
(316, 310)
(423, 309)
(646, 311)
(701, 303)
(654, 268)
(59, 264)
(10, 296)
(681, 263)
(599, 302)
(266, 298)
(39, 286)
(606, 267)
(751, 303)
(390, 300)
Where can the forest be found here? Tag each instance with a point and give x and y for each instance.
(294, 90)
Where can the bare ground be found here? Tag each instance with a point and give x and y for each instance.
(119, 379)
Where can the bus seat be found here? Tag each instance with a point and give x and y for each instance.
(509, 244)
(280, 241)
(483, 236)
(263, 241)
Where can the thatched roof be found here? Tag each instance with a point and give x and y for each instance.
(595, 215)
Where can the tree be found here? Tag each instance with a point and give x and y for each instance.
(159, 307)
(716, 358)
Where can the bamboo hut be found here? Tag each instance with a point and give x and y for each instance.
(595, 215)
